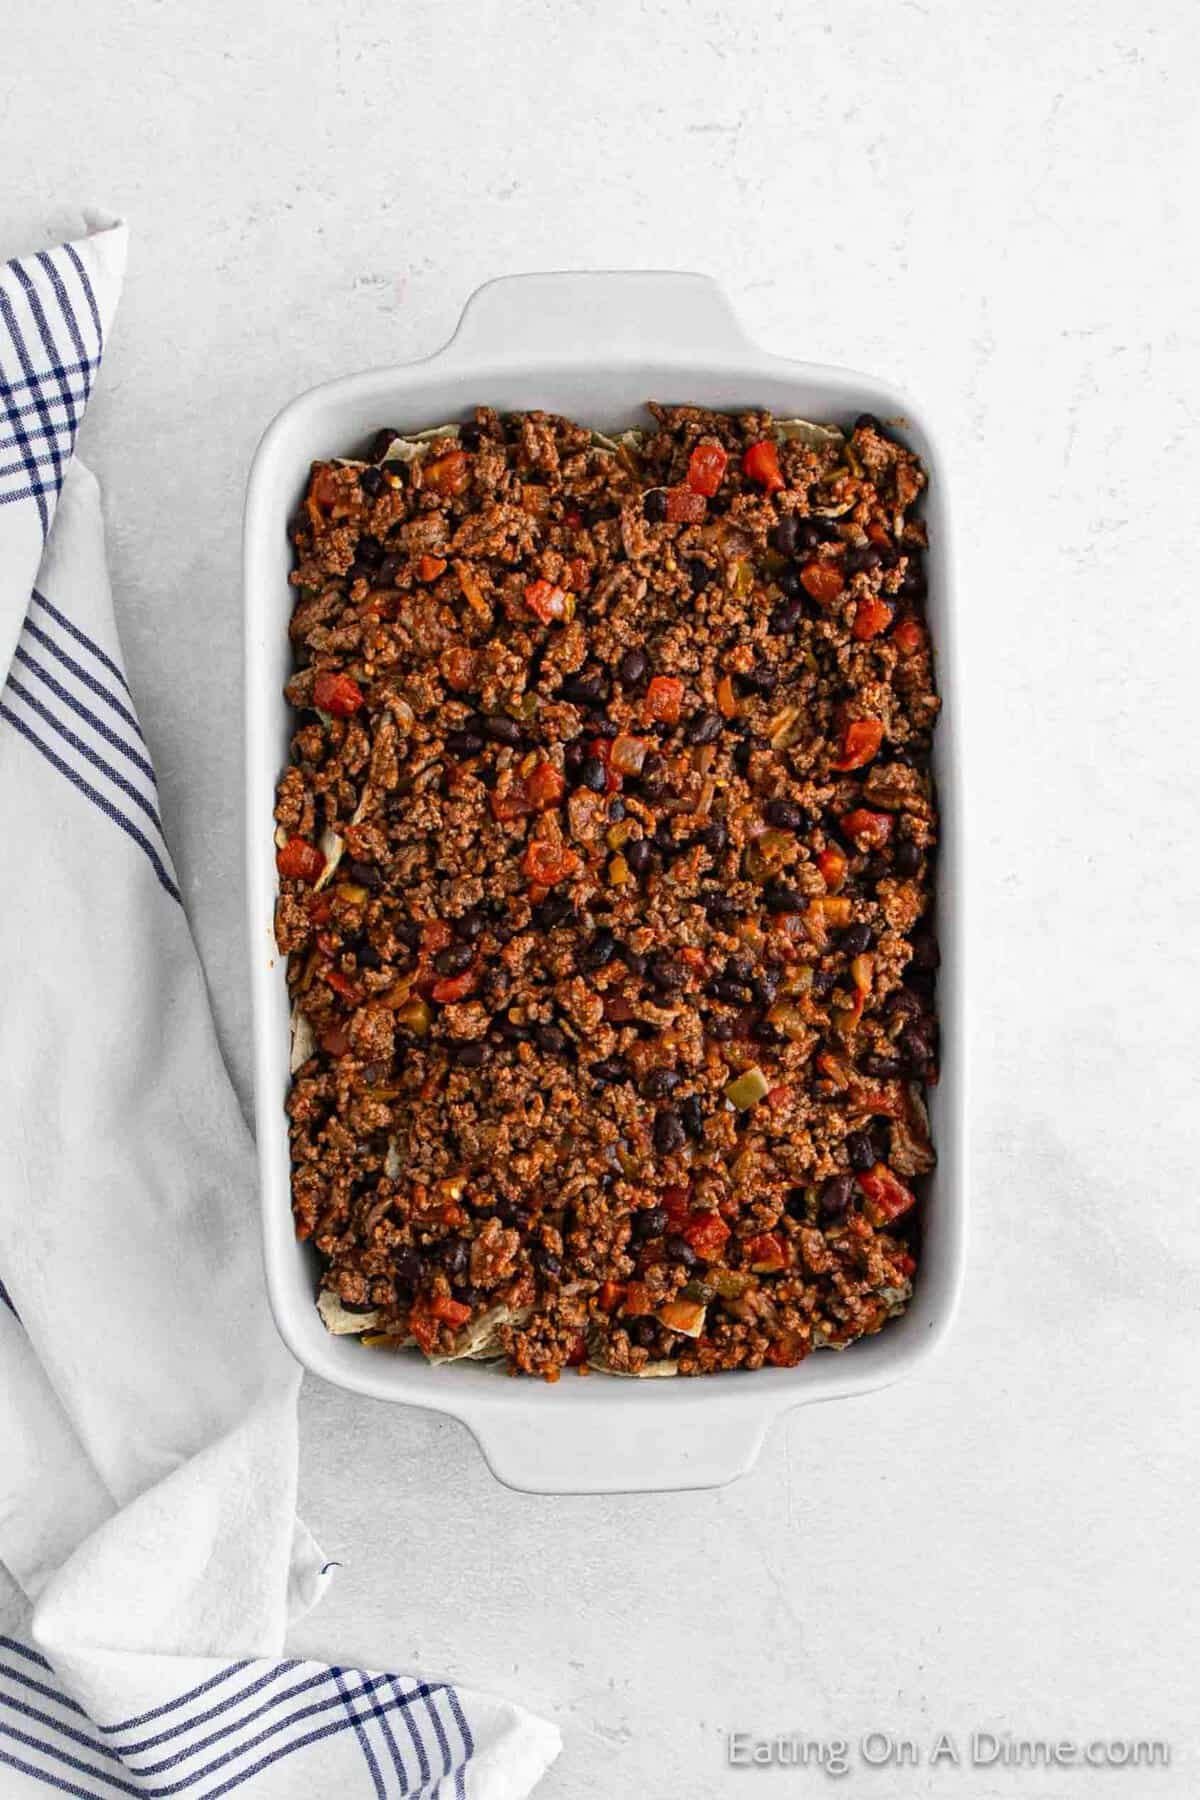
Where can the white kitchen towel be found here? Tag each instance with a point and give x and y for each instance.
(147, 1406)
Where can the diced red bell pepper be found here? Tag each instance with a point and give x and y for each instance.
(766, 1253)
(906, 1264)
(451, 988)
(779, 1095)
(547, 864)
(430, 567)
(706, 466)
(343, 986)
(869, 830)
(337, 694)
(877, 534)
(832, 865)
(871, 616)
(448, 474)
(685, 506)
(664, 699)
(546, 601)
(511, 802)
(298, 860)
(577, 1354)
(676, 1203)
(885, 1194)
(707, 1233)
(860, 742)
(449, 1311)
(611, 1292)
(908, 635)
(545, 786)
(579, 573)
(761, 464)
(460, 668)
(823, 581)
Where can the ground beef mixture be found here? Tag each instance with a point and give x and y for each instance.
(605, 852)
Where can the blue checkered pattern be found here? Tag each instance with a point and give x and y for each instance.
(51, 342)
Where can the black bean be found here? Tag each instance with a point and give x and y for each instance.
(369, 550)
(823, 983)
(901, 1001)
(809, 533)
(797, 1203)
(599, 951)
(367, 956)
(760, 680)
(786, 616)
(668, 1132)
(470, 436)
(733, 993)
(692, 1114)
(659, 1082)
(609, 1069)
(366, 875)
(386, 573)
(867, 422)
(453, 959)
(763, 1032)
(781, 899)
(925, 953)
(906, 858)
(651, 1222)
(679, 1250)
(500, 728)
(862, 557)
(554, 910)
(406, 933)
(654, 506)
(508, 1029)
(784, 535)
(584, 690)
(370, 480)
(856, 938)
(472, 1053)
(715, 836)
(634, 961)
(720, 1030)
(637, 854)
(644, 1333)
(664, 838)
(358, 1306)
(469, 925)
(836, 1198)
(668, 974)
(456, 1257)
(381, 443)
(547, 1262)
(464, 743)
(766, 986)
(741, 756)
(593, 774)
(785, 815)
(550, 1038)
(718, 904)
(876, 868)
(912, 582)
(860, 1148)
(407, 1264)
(358, 571)
(921, 981)
(703, 728)
(604, 728)
(699, 574)
(886, 1068)
(917, 1043)
(791, 587)
(633, 666)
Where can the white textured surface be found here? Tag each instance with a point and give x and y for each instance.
(987, 202)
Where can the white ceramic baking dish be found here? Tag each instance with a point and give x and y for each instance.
(595, 347)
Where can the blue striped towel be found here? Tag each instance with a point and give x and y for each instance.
(151, 1556)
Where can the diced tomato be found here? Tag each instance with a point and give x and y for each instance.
(448, 1311)
(460, 668)
(324, 488)
(448, 474)
(785, 1352)
(610, 1293)
(577, 1354)
(637, 1300)
(298, 860)
(824, 581)
(706, 466)
(343, 986)
(451, 988)
(511, 802)
(871, 616)
(879, 1103)
(906, 1264)
(908, 635)
(766, 1253)
(832, 865)
(761, 464)
(430, 567)
(664, 699)
(619, 1008)
(545, 786)
(335, 1041)
(780, 1095)
(572, 518)
(547, 863)
(869, 830)
(860, 742)
(885, 1194)
(579, 573)
(337, 694)
(877, 533)
(546, 601)
(422, 1325)
(685, 506)
(319, 908)
(707, 1233)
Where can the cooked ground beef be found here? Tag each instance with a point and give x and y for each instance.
(605, 855)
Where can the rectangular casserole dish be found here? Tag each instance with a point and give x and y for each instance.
(594, 347)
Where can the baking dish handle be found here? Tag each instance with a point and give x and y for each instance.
(627, 314)
(627, 1449)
